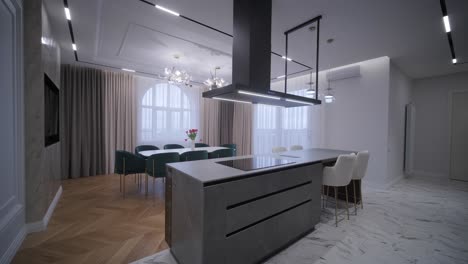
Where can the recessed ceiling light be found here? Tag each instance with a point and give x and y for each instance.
(330, 40)
(74, 46)
(312, 28)
(167, 10)
(128, 70)
(447, 24)
(67, 13)
(454, 61)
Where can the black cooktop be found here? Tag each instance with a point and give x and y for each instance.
(254, 163)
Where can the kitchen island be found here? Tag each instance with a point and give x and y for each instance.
(243, 209)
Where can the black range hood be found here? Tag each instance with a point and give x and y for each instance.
(251, 60)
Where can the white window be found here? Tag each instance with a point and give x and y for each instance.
(166, 112)
(277, 126)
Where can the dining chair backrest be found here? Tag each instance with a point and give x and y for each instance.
(221, 153)
(360, 166)
(296, 147)
(340, 174)
(173, 146)
(156, 163)
(194, 155)
(231, 146)
(201, 145)
(144, 148)
(278, 149)
(128, 163)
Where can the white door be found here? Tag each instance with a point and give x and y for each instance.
(459, 136)
(11, 132)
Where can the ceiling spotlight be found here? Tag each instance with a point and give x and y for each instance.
(330, 40)
(447, 24)
(67, 13)
(167, 10)
(127, 70)
(454, 61)
(284, 58)
(312, 28)
(74, 46)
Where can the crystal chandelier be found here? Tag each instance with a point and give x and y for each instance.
(177, 76)
(214, 82)
(173, 75)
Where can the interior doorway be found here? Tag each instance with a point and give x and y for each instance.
(459, 136)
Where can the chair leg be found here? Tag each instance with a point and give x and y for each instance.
(360, 189)
(146, 192)
(326, 201)
(336, 207)
(123, 188)
(347, 206)
(154, 188)
(120, 182)
(354, 192)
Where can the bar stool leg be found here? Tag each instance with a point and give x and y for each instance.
(354, 192)
(360, 189)
(123, 186)
(326, 202)
(336, 208)
(120, 182)
(347, 206)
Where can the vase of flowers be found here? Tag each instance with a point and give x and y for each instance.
(192, 135)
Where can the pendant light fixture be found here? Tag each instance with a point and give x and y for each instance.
(310, 91)
(329, 97)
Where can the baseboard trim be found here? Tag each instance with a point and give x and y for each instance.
(42, 225)
(435, 175)
(14, 246)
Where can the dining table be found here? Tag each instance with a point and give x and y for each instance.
(148, 153)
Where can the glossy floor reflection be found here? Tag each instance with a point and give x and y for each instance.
(415, 221)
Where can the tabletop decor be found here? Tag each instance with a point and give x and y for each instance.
(192, 135)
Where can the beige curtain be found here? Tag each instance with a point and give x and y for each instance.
(210, 122)
(242, 128)
(121, 115)
(226, 115)
(82, 119)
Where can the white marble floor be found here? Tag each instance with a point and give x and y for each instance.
(415, 221)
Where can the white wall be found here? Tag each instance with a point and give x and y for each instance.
(12, 204)
(431, 99)
(399, 96)
(358, 119)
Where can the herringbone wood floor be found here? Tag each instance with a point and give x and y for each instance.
(93, 224)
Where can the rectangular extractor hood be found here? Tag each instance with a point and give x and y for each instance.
(251, 60)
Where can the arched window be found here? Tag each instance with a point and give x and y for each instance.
(166, 113)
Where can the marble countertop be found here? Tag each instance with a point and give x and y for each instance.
(208, 171)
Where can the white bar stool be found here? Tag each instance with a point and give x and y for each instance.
(279, 149)
(359, 171)
(339, 176)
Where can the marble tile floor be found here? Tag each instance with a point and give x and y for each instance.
(415, 221)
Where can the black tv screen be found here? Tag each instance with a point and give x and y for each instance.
(51, 112)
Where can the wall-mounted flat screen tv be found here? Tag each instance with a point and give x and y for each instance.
(51, 112)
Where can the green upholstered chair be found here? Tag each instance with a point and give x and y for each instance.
(194, 155)
(173, 146)
(127, 163)
(156, 166)
(231, 146)
(221, 153)
(143, 148)
(201, 145)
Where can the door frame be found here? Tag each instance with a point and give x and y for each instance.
(13, 221)
(450, 108)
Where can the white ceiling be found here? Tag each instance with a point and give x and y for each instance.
(131, 34)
